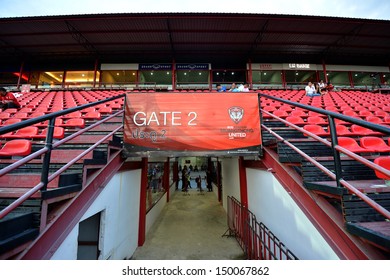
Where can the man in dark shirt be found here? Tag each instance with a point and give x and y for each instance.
(8, 100)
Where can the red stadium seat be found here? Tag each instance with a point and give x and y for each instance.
(20, 115)
(25, 132)
(374, 144)
(76, 122)
(105, 110)
(17, 147)
(381, 114)
(92, 116)
(316, 120)
(342, 130)
(315, 114)
(365, 113)
(385, 163)
(298, 113)
(59, 133)
(4, 115)
(295, 120)
(351, 145)
(316, 129)
(10, 121)
(359, 130)
(350, 113)
(73, 115)
(36, 114)
(280, 113)
(374, 119)
(286, 108)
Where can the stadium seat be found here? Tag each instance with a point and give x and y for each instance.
(20, 115)
(72, 115)
(17, 147)
(286, 108)
(59, 133)
(25, 132)
(360, 130)
(295, 120)
(316, 120)
(316, 129)
(4, 115)
(315, 114)
(93, 115)
(374, 144)
(385, 163)
(374, 119)
(105, 110)
(298, 113)
(10, 121)
(36, 114)
(381, 113)
(351, 145)
(76, 122)
(342, 130)
(350, 113)
(365, 113)
(280, 113)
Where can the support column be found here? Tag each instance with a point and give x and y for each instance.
(166, 177)
(142, 205)
(173, 75)
(219, 180)
(284, 83)
(20, 75)
(63, 79)
(324, 70)
(176, 174)
(243, 182)
(351, 79)
(250, 76)
(95, 72)
(210, 80)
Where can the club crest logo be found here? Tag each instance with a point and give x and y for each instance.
(236, 113)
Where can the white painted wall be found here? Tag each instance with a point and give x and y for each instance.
(230, 180)
(119, 203)
(154, 213)
(273, 206)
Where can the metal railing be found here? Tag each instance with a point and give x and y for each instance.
(257, 241)
(337, 175)
(46, 178)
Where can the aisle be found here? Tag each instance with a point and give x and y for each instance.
(190, 227)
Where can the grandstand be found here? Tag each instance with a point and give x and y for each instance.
(318, 187)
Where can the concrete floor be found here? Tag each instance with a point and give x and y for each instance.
(190, 228)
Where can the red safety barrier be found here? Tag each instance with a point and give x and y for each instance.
(257, 241)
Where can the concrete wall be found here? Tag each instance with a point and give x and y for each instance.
(273, 206)
(119, 204)
(154, 213)
(230, 180)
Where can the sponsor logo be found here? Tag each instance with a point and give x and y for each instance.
(236, 113)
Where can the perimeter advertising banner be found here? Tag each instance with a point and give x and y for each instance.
(175, 124)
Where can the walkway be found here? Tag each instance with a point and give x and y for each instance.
(190, 228)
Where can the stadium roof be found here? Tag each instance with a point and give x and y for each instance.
(221, 39)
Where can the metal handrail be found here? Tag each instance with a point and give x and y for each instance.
(45, 177)
(334, 147)
(54, 115)
(253, 236)
(366, 124)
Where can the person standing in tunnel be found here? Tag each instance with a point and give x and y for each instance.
(208, 180)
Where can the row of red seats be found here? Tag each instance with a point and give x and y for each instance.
(66, 123)
(34, 132)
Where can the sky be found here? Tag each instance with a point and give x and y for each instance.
(372, 9)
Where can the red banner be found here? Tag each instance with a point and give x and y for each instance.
(192, 123)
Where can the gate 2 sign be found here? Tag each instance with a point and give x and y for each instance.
(203, 124)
